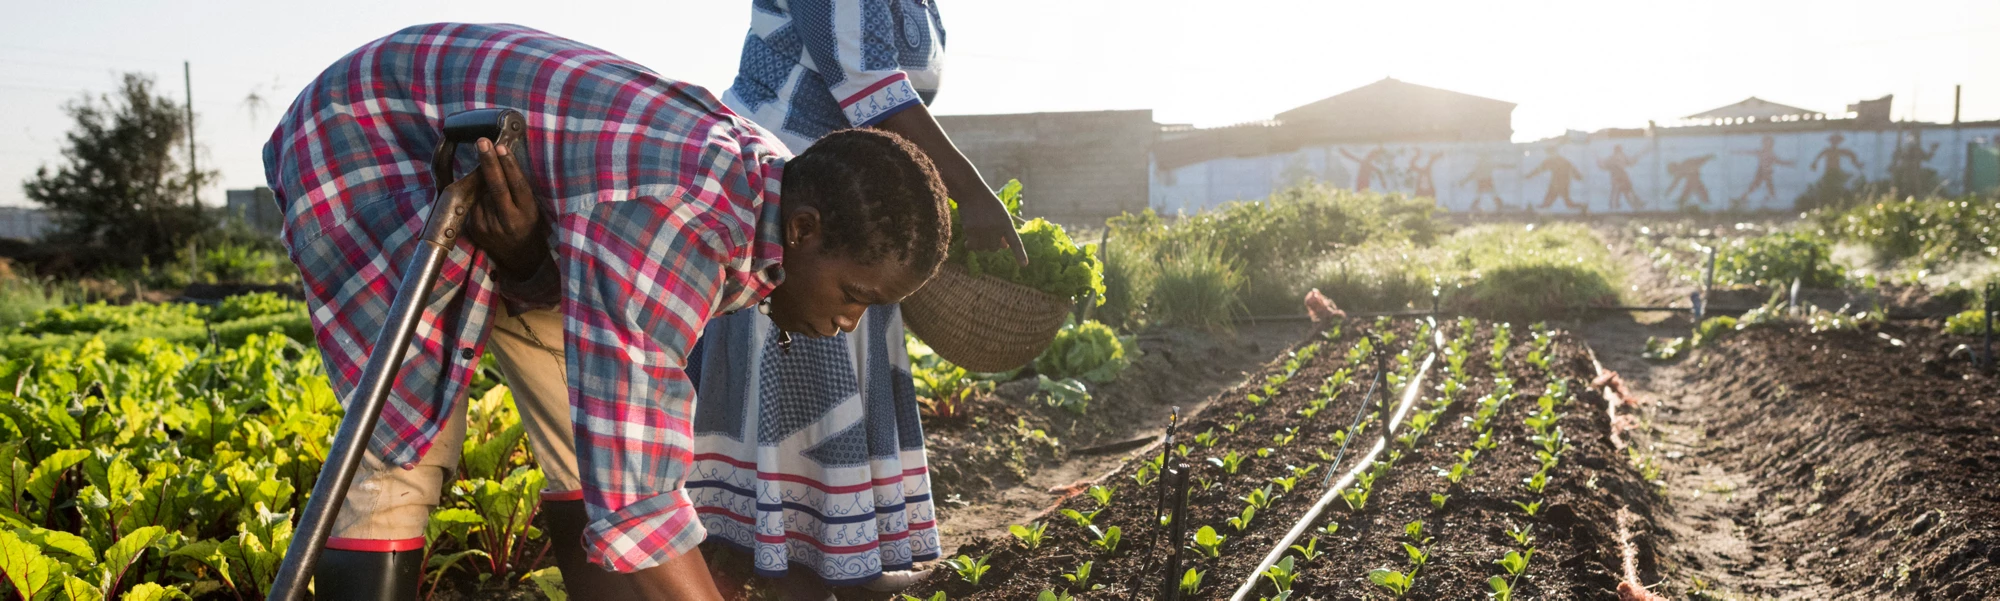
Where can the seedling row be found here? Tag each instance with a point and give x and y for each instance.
(1499, 481)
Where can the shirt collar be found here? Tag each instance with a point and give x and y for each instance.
(768, 252)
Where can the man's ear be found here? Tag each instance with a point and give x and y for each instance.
(802, 227)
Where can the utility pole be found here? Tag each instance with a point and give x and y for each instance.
(187, 83)
(1957, 97)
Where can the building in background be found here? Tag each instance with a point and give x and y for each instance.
(23, 223)
(1076, 168)
(256, 208)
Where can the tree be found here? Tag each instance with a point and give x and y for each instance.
(122, 188)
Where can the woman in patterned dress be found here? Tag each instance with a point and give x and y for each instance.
(810, 458)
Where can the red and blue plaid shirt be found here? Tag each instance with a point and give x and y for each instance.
(664, 206)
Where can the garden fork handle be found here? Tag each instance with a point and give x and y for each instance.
(441, 230)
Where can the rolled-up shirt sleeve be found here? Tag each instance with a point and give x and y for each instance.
(642, 278)
(853, 45)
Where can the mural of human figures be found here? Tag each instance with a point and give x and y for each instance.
(1687, 175)
(1561, 173)
(1833, 154)
(1908, 172)
(1367, 167)
(1481, 177)
(1621, 180)
(1767, 164)
(1421, 174)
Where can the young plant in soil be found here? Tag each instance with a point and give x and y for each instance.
(1080, 577)
(970, 568)
(1208, 542)
(1029, 535)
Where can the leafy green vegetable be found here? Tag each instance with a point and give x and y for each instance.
(1208, 542)
(1056, 265)
(1090, 351)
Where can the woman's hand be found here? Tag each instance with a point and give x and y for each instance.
(987, 226)
(506, 222)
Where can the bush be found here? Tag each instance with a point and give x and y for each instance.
(1272, 241)
(1090, 351)
(1774, 259)
(1932, 232)
(1198, 286)
(1129, 275)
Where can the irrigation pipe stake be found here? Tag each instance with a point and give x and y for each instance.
(1381, 442)
(1992, 310)
(1170, 585)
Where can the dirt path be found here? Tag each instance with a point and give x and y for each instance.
(1715, 538)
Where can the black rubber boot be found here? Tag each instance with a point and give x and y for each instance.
(368, 575)
(581, 578)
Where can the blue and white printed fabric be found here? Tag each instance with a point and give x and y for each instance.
(814, 457)
(810, 67)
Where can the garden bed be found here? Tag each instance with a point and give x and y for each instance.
(1574, 530)
(1853, 464)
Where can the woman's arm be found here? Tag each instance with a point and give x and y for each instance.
(987, 225)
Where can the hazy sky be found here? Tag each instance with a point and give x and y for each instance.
(1568, 64)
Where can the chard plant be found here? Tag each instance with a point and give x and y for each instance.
(1083, 520)
(1229, 463)
(1286, 437)
(1029, 535)
(1282, 574)
(1308, 551)
(1101, 494)
(1285, 482)
(1080, 577)
(938, 596)
(1048, 595)
(1107, 540)
(1207, 439)
(1536, 483)
(1146, 475)
(1397, 583)
(1191, 581)
(1522, 535)
(1515, 563)
(1208, 542)
(1356, 498)
(1259, 498)
(1438, 500)
(969, 568)
(1532, 509)
(1330, 528)
(1243, 521)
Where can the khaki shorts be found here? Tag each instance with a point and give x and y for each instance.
(387, 507)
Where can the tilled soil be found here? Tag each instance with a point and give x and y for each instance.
(1862, 465)
(1577, 548)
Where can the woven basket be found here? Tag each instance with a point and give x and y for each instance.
(983, 324)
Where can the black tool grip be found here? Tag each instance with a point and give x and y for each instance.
(505, 127)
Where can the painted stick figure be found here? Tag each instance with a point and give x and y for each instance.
(1561, 173)
(1482, 178)
(1425, 186)
(1834, 153)
(1366, 169)
(1621, 181)
(1767, 162)
(1688, 171)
